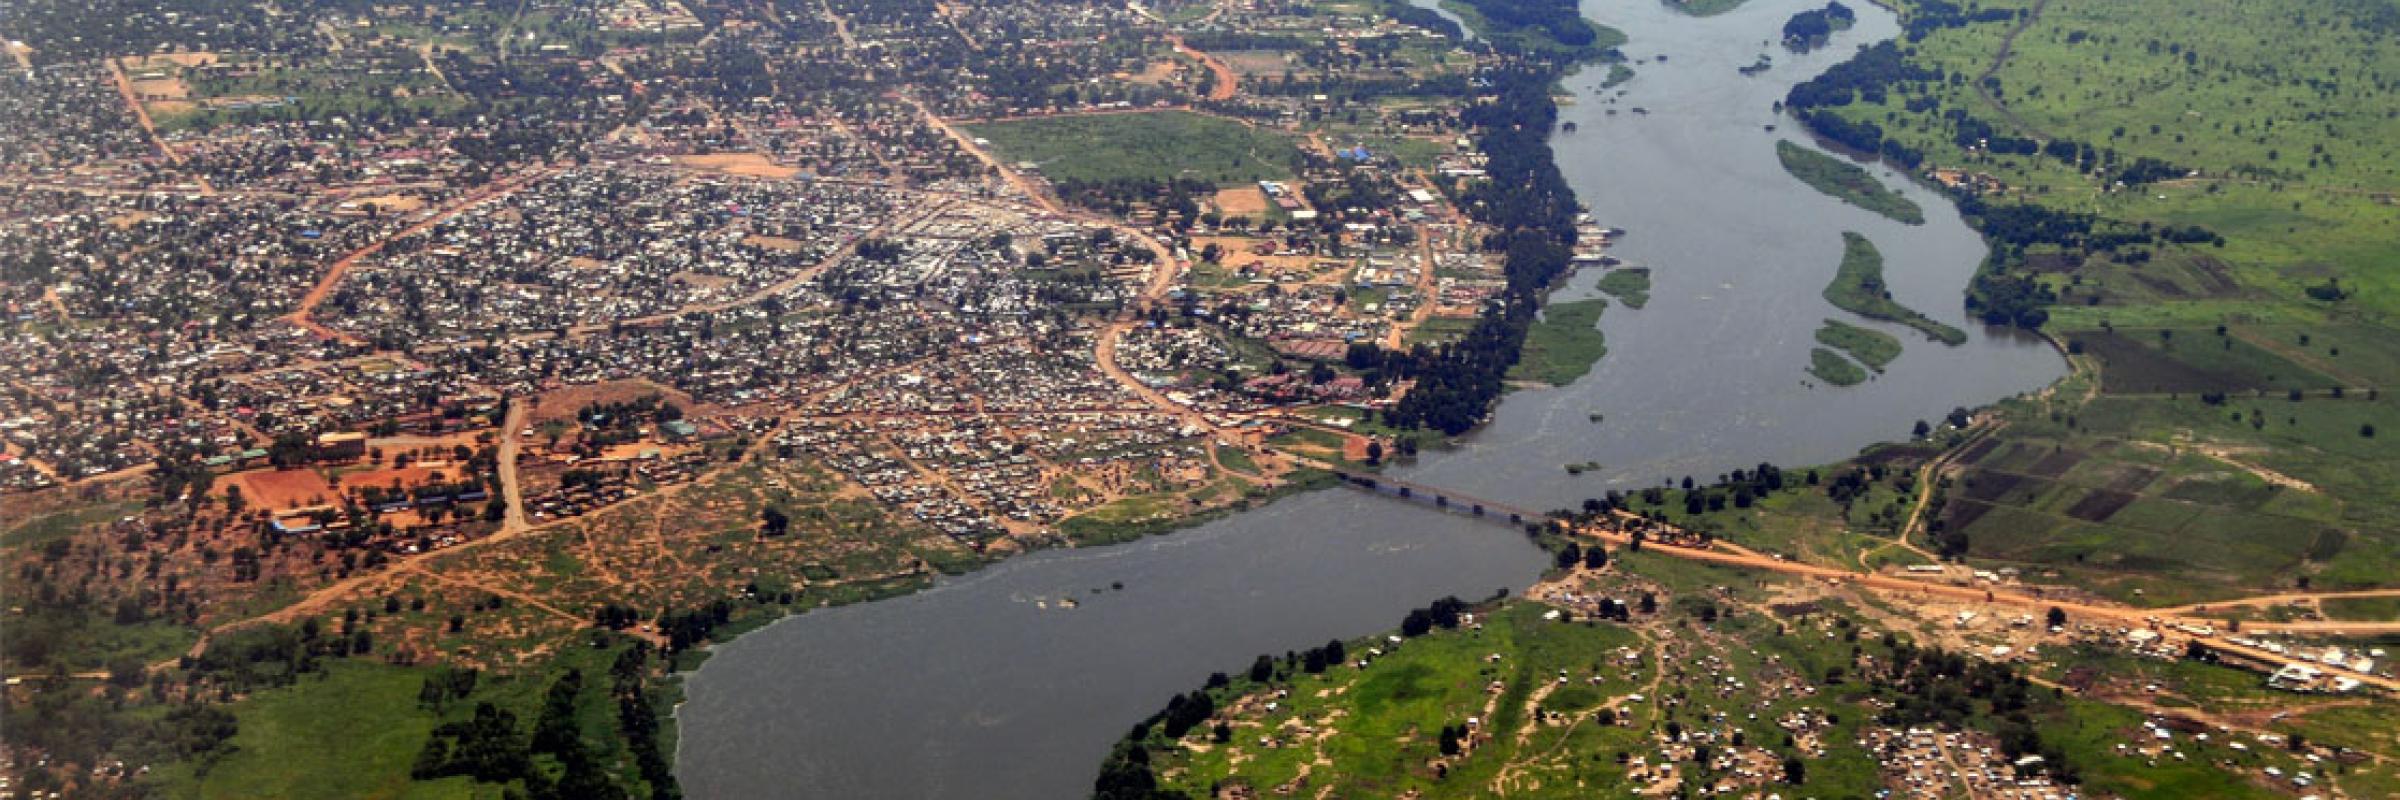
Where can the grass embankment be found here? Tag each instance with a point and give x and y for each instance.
(1563, 345)
(1871, 347)
(1832, 368)
(1847, 182)
(1630, 286)
(1858, 288)
(1152, 145)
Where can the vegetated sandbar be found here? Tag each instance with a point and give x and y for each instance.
(1847, 182)
(1858, 288)
(1871, 347)
(1832, 368)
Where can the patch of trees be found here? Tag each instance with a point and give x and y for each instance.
(687, 628)
(637, 720)
(2000, 298)
(1561, 20)
(486, 747)
(1808, 29)
(1867, 77)
(1120, 195)
(1933, 15)
(1443, 613)
(1528, 200)
(1126, 773)
(1864, 137)
(554, 762)
(445, 686)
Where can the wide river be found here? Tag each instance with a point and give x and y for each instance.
(988, 687)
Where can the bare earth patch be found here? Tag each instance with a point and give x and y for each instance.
(752, 165)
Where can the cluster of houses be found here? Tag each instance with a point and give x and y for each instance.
(65, 123)
(598, 246)
(1935, 763)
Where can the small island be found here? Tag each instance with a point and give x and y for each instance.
(1859, 289)
(1847, 182)
(1832, 368)
(1811, 29)
(1563, 344)
(1871, 347)
(1630, 286)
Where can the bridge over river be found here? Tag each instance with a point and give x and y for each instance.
(1441, 498)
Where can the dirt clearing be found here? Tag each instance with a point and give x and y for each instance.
(278, 489)
(749, 165)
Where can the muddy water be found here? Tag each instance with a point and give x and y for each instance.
(987, 687)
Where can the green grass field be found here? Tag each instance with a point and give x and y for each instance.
(1846, 181)
(351, 731)
(1858, 288)
(1563, 345)
(1871, 347)
(1150, 145)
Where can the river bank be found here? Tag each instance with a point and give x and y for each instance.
(983, 686)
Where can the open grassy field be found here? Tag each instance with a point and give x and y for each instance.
(350, 732)
(1564, 344)
(1846, 181)
(1858, 288)
(1152, 145)
(2279, 119)
(1871, 347)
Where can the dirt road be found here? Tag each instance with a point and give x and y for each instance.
(304, 316)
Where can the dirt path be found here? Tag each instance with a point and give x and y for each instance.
(1928, 479)
(1224, 84)
(512, 447)
(304, 316)
(841, 27)
(2228, 455)
(949, 14)
(1722, 555)
(141, 115)
(425, 51)
(2008, 44)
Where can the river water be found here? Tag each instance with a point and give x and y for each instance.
(986, 687)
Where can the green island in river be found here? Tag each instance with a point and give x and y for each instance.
(1858, 288)
(1849, 182)
(1831, 367)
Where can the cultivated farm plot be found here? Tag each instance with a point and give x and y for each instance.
(2192, 360)
(2179, 525)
